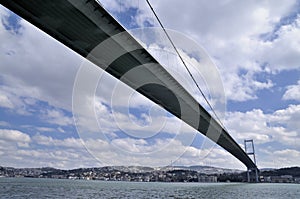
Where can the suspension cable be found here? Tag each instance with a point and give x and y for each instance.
(188, 70)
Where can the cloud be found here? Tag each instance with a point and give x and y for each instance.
(60, 153)
(130, 112)
(5, 101)
(244, 88)
(15, 137)
(56, 116)
(288, 39)
(140, 152)
(280, 126)
(249, 125)
(43, 151)
(292, 92)
(70, 152)
(49, 141)
(288, 152)
(34, 65)
(274, 134)
(288, 117)
(4, 124)
(64, 159)
(45, 129)
(14, 102)
(278, 158)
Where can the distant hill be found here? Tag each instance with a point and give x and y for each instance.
(208, 170)
(293, 171)
(132, 169)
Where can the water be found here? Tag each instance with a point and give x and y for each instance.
(53, 188)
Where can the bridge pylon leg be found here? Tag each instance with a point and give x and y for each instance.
(256, 176)
(248, 175)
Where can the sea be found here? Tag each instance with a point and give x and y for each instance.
(59, 188)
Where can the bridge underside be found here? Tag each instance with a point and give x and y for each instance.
(83, 26)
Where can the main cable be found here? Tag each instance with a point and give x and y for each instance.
(188, 70)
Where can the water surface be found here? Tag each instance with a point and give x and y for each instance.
(54, 188)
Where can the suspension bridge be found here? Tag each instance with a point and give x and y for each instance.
(82, 25)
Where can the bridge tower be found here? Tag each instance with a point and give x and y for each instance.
(249, 149)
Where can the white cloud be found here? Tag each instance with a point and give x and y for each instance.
(14, 102)
(14, 137)
(49, 141)
(288, 152)
(281, 126)
(45, 129)
(4, 124)
(33, 65)
(249, 125)
(289, 117)
(283, 52)
(292, 92)
(71, 153)
(139, 152)
(66, 154)
(5, 102)
(133, 114)
(270, 157)
(56, 116)
(64, 159)
(274, 134)
(125, 151)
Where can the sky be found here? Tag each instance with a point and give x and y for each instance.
(253, 48)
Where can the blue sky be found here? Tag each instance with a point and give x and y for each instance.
(255, 47)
